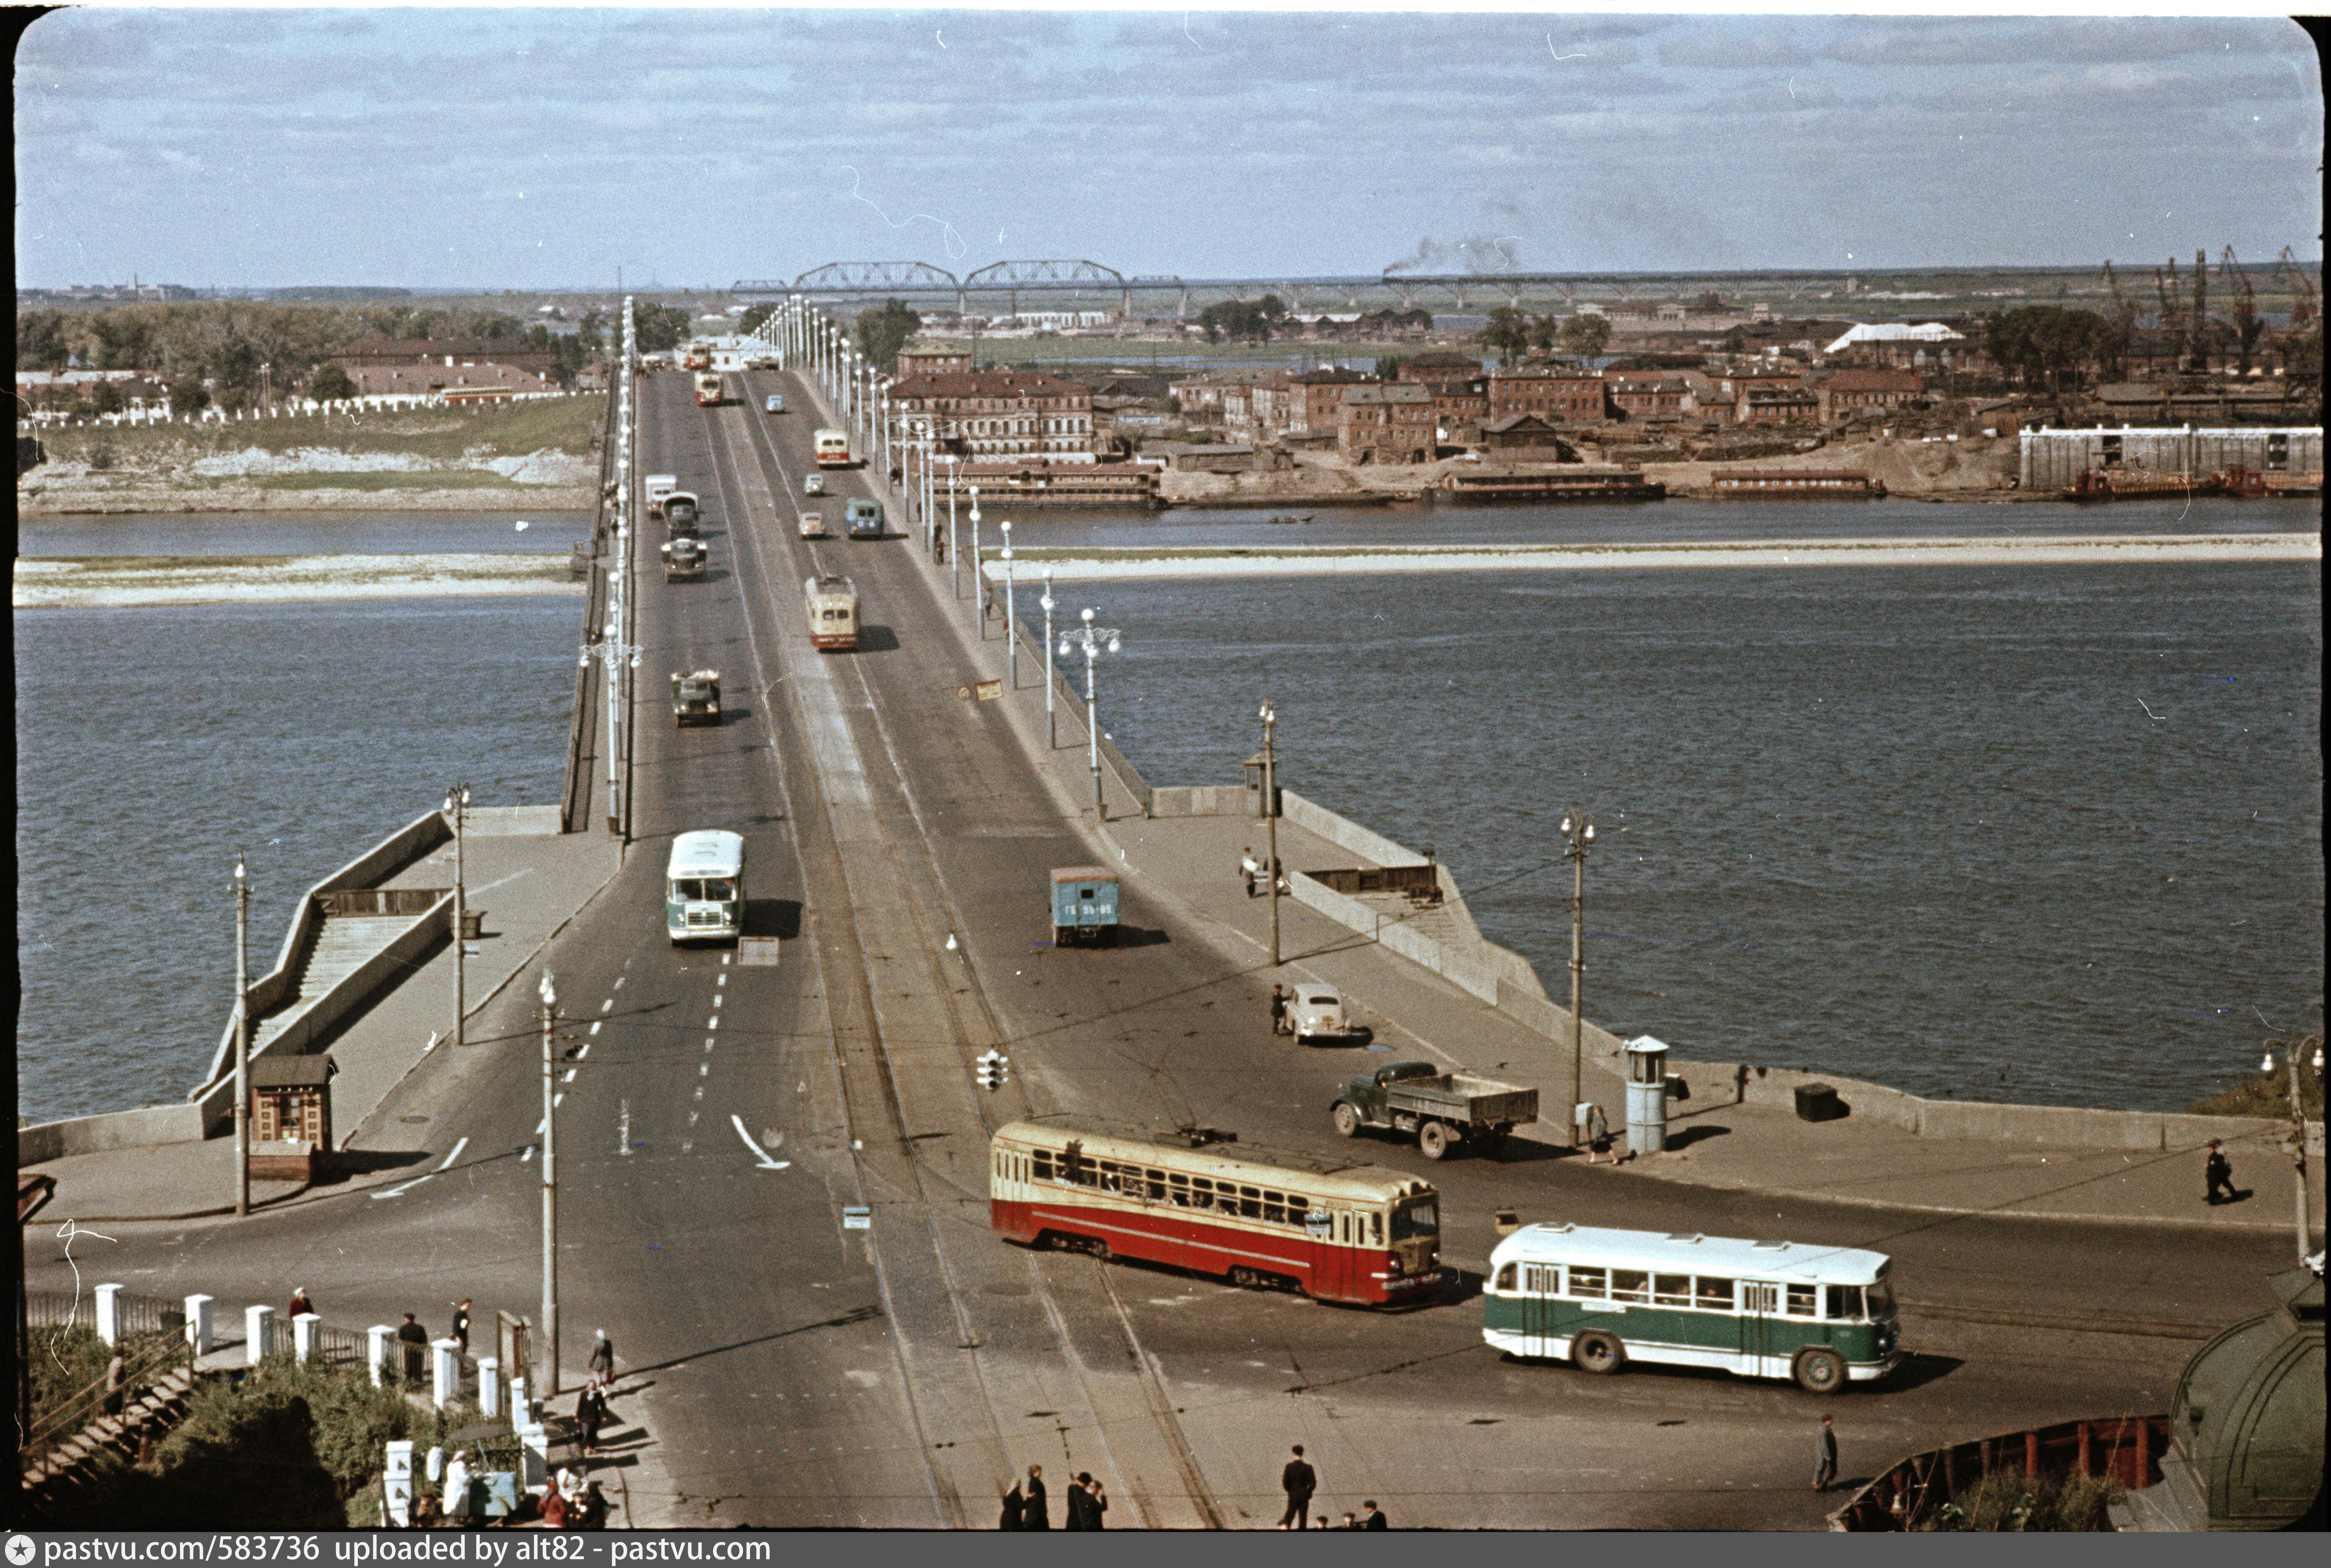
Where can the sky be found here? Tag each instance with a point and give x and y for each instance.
(543, 148)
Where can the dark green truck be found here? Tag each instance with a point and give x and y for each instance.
(1439, 1110)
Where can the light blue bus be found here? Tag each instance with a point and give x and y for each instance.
(704, 887)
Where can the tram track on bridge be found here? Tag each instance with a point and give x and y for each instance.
(906, 1026)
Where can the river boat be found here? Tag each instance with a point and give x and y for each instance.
(2126, 483)
(1494, 488)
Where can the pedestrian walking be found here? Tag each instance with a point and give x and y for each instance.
(1825, 1454)
(1279, 1000)
(2218, 1172)
(416, 1340)
(1598, 1135)
(1035, 1513)
(457, 1487)
(1080, 1502)
(1014, 1506)
(1097, 1500)
(300, 1306)
(1373, 1517)
(1250, 868)
(461, 1324)
(1298, 1481)
(590, 1415)
(602, 1358)
(591, 1508)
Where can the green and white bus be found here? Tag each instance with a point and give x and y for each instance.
(704, 887)
(1823, 1316)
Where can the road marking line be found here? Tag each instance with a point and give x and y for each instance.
(704, 1070)
(699, 1091)
(608, 1005)
(722, 980)
(542, 1126)
(570, 1075)
(584, 1051)
(716, 995)
(556, 1100)
(526, 1156)
(456, 1155)
(400, 1192)
(759, 1153)
(619, 981)
(595, 1029)
(724, 960)
(713, 1022)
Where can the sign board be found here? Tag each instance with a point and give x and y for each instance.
(962, 693)
(989, 690)
(1318, 1221)
(858, 1219)
(758, 952)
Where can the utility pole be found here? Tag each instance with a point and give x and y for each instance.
(457, 807)
(1010, 621)
(242, 1041)
(548, 1372)
(2291, 1044)
(1578, 829)
(1052, 722)
(1092, 639)
(1270, 814)
(978, 575)
(954, 558)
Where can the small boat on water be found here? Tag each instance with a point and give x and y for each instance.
(1304, 518)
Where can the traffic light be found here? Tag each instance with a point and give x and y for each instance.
(994, 1069)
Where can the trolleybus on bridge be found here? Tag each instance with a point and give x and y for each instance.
(833, 448)
(707, 389)
(1334, 1229)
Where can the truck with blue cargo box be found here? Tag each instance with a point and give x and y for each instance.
(1084, 905)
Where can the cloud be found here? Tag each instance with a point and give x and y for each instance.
(1972, 41)
(1729, 46)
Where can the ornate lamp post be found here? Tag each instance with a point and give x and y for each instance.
(1052, 723)
(549, 1367)
(1270, 716)
(1011, 626)
(1092, 639)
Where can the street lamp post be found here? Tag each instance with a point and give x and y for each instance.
(1011, 626)
(955, 558)
(548, 1371)
(1270, 716)
(1578, 830)
(242, 1041)
(978, 576)
(457, 807)
(1093, 639)
(1051, 724)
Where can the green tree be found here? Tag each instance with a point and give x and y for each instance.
(331, 385)
(592, 332)
(1508, 335)
(2045, 341)
(754, 316)
(106, 397)
(882, 331)
(40, 343)
(1585, 335)
(1242, 320)
(659, 327)
(189, 396)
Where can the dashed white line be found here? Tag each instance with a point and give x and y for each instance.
(556, 1100)
(570, 1075)
(715, 999)
(582, 1053)
(713, 1022)
(722, 980)
(608, 1005)
(526, 1156)
(595, 1029)
(619, 981)
(704, 1070)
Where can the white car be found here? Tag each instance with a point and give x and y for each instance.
(1318, 1012)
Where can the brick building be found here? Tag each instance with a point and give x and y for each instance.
(1771, 404)
(930, 361)
(1314, 397)
(1842, 394)
(1459, 402)
(454, 382)
(1001, 414)
(1556, 396)
(376, 350)
(1438, 366)
(1648, 397)
(1385, 423)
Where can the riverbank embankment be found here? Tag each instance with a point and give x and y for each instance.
(1299, 561)
(533, 456)
(128, 582)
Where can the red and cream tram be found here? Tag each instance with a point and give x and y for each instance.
(1335, 1229)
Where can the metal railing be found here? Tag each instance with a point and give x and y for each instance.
(2127, 1448)
(379, 900)
(146, 1360)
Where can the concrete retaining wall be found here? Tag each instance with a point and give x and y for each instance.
(1206, 801)
(45, 1141)
(1454, 967)
(1374, 847)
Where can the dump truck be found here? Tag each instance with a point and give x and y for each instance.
(1084, 905)
(1441, 1109)
(684, 557)
(696, 698)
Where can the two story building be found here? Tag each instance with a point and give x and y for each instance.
(1385, 424)
(1002, 414)
(1558, 397)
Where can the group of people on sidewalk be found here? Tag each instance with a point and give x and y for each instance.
(1257, 883)
(1299, 1481)
(1029, 1506)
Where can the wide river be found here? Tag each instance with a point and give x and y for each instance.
(2043, 833)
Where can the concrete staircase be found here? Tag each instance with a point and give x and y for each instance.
(150, 1415)
(342, 945)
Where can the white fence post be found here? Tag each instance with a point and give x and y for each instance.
(396, 1482)
(303, 1336)
(109, 1314)
(490, 1385)
(198, 1324)
(378, 1340)
(257, 1333)
(445, 1380)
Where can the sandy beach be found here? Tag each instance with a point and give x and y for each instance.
(1328, 561)
(121, 582)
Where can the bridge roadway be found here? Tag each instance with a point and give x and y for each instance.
(780, 1370)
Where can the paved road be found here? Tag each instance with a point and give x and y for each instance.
(783, 1370)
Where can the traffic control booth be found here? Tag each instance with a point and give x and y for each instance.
(291, 1116)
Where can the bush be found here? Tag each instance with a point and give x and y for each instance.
(2022, 1504)
(331, 385)
(2268, 1094)
(290, 1447)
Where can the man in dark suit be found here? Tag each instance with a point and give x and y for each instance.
(1035, 1513)
(1374, 1518)
(416, 1340)
(1298, 1482)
